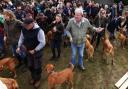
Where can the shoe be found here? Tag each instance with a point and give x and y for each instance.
(81, 67)
(37, 84)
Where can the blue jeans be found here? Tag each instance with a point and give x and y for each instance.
(80, 50)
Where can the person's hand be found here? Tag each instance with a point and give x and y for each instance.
(54, 21)
(32, 51)
(99, 29)
(54, 29)
(18, 50)
(71, 39)
(5, 38)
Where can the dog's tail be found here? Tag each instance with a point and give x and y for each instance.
(71, 66)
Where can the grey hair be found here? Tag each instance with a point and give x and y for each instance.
(79, 10)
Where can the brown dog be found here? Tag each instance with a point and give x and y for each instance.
(10, 83)
(121, 37)
(89, 47)
(55, 78)
(49, 37)
(108, 47)
(10, 63)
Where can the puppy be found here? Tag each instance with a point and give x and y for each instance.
(10, 63)
(55, 78)
(10, 83)
(89, 47)
(108, 48)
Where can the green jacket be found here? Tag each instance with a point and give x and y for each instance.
(78, 32)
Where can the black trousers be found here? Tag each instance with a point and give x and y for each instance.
(35, 73)
(97, 37)
(35, 65)
(56, 45)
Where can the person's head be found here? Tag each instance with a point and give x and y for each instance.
(97, 5)
(19, 7)
(9, 15)
(90, 4)
(68, 4)
(58, 18)
(85, 14)
(78, 14)
(102, 12)
(28, 23)
(106, 6)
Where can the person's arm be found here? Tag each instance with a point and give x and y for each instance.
(90, 26)
(41, 39)
(68, 28)
(21, 39)
(94, 28)
(60, 29)
(125, 23)
(19, 24)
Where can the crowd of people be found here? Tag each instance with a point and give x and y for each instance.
(24, 25)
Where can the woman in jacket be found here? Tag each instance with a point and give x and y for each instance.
(57, 31)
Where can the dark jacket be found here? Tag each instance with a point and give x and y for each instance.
(30, 38)
(12, 30)
(100, 22)
(60, 28)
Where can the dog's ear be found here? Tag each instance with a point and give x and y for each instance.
(49, 66)
(53, 65)
(45, 68)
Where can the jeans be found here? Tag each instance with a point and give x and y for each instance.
(80, 50)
